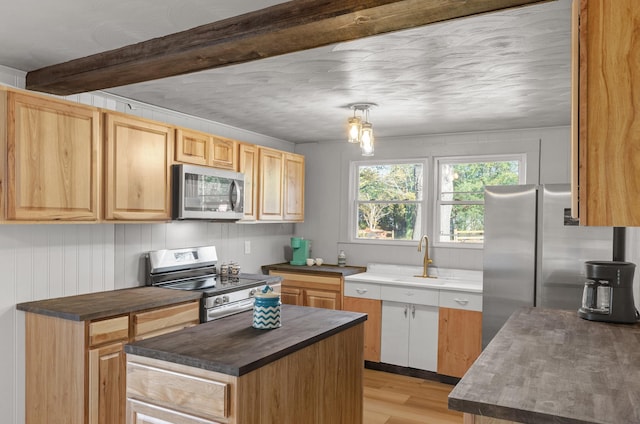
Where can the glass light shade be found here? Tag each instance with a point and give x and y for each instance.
(355, 125)
(366, 139)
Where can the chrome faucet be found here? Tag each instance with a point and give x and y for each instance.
(427, 260)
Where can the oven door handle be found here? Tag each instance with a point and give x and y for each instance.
(227, 309)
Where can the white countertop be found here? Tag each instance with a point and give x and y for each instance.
(404, 275)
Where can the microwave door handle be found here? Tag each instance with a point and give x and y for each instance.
(235, 187)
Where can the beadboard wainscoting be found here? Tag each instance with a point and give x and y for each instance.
(42, 262)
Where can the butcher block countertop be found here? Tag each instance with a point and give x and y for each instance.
(550, 366)
(232, 346)
(326, 269)
(105, 304)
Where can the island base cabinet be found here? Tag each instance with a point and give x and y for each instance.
(319, 384)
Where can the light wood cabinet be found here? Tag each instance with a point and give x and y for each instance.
(317, 291)
(192, 147)
(606, 112)
(76, 370)
(248, 165)
(137, 168)
(459, 340)
(281, 186)
(107, 384)
(372, 326)
(293, 187)
(53, 158)
(204, 149)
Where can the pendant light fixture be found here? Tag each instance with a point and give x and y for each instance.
(360, 130)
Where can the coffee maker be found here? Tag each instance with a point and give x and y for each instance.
(300, 248)
(608, 292)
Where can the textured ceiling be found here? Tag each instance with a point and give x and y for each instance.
(503, 70)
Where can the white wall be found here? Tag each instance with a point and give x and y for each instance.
(47, 261)
(327, 181)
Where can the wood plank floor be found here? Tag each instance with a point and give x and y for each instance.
(397, 399)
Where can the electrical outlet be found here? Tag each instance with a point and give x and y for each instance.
(247, 247)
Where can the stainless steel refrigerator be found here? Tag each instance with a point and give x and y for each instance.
(534, 253)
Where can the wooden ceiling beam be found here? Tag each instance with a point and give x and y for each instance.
(283, 28)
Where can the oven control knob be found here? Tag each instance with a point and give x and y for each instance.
(225, 299)
(218, 301)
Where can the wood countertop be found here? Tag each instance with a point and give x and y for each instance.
(105, 304)
(232, 346)
(550, 366)
(326, 269)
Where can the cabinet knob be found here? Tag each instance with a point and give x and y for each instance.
(461, 301)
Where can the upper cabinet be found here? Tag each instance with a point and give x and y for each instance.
(606, 112)
(281, 186)
(53, 157)
(204, 149)
(248, 165)
(63, 161)
(137, 168)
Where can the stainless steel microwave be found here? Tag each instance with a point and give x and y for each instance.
(199, 192)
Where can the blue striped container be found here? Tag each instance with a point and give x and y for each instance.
(266, 311)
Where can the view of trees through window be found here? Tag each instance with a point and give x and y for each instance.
(389, 201)
(461, 199)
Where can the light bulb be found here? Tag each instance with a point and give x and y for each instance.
(366, 139)
(354, 129)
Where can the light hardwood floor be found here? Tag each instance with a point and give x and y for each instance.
(396, 399)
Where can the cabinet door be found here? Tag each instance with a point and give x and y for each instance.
(271, 176)
(137, 170)
(322, 299)
(609, 113)
(394, 347)
(292, 296)
(223, 153)
(459, 340)
(107, 384)
(193, 147)
(248, 165)
(423, 337)
(293, 187)
(372, 326)
(53, 159)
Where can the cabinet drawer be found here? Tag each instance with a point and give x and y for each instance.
(108, 330)
(362, 290)
(164, 320)
(190, 394)
(420, 296)
(461, 300)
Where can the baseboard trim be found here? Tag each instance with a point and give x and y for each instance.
(411, 372)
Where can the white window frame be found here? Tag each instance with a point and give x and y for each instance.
(520, 157)
(353, 200)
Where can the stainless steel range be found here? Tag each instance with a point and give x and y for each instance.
(195, 269)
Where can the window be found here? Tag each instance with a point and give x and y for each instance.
(460, 196)
(387, 204)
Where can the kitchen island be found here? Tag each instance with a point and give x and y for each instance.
(309, 370)
(550, 366)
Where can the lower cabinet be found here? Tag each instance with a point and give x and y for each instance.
(317, 291)
(460, 332)
(107, 384)
(410, 335)
(76, 370)
(373, 309)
